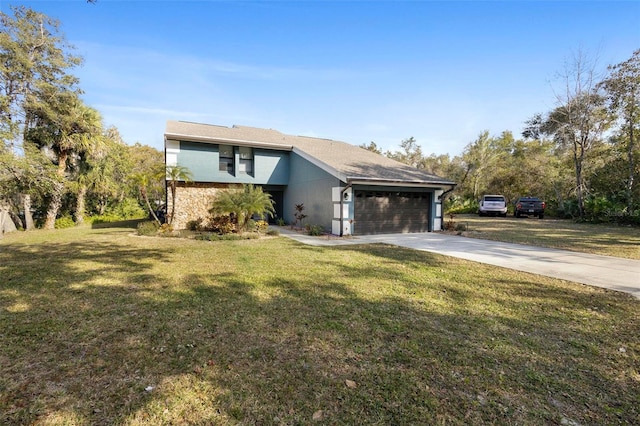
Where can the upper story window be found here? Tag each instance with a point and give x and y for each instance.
(246, 160)
(226, 159)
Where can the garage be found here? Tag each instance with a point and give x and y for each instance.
(389, 212)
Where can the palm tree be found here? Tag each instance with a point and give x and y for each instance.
(244, 203)
(175, 174)
(67, 129)
(143, 181)
(86, 173)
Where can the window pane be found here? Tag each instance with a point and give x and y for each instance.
(226, 165)
(246, 166)
(226, 159)
(246, 153)
(226, 151)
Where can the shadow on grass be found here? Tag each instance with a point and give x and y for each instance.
(95, 333)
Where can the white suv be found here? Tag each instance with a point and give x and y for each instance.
(493, 205)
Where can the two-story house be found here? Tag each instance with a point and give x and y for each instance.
(344, 188)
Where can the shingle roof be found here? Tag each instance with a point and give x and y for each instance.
(347, 162)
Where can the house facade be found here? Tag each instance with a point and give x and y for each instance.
(344, 188)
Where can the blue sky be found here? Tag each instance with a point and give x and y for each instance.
(356, 71)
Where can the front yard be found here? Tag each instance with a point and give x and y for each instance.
(103, 327)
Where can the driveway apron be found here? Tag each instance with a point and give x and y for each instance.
(602, 271)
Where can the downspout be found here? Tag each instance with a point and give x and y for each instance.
(441, 199)
(344, 190)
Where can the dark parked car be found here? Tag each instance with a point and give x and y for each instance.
(529, 206)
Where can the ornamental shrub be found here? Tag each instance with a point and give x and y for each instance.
(261, 226)
(147, 228)
(65, 222)
(129, 208)
(221, 225)
(315, 230)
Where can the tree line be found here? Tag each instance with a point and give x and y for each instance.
(58, 162)
(581, 157)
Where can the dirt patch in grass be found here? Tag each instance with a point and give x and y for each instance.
(99, 327)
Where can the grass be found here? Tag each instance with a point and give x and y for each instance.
(609, 240)
(98, 326)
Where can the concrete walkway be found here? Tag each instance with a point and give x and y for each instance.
(602, 271)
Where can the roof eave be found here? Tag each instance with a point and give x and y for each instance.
(359, 180)
(224, 141)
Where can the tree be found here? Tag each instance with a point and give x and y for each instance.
(411, 153)
(84, 174)
(243, 204)
(534, 127)
(143, 181)
(34, 64)
(68, 129)
(623, 96)
(372, 146)
(481, 160)
(107, 173)
(173, 175)
(579, 121)
(25, 179)
(440, 165)
(147, 161)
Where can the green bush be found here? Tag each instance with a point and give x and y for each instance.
(104, 218)
(281, 222)
(261, 226)
(147, 228)
(273, 232)
(165, 229)
(315, 230)
(65, 222)
(461, 227)
(596, 209)
(129, 208)
(624, 218)
(210, 236)
(195, 225)
(568, 209)
(221, 225)
(458, 205)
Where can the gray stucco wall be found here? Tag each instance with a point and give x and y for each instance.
(311, 185)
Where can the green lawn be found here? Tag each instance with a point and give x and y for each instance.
(610, 240)
(104, 327)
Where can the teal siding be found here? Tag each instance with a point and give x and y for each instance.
(201, 159)
(270, 167)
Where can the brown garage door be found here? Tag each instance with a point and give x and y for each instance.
(380, 212)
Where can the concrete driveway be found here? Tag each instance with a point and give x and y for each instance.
(602, 271)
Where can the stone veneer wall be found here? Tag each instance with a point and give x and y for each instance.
(193, 201)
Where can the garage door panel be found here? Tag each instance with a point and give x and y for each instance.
(389, 212)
